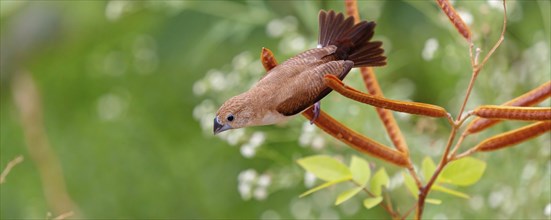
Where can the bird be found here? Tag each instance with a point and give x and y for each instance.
(298, 83)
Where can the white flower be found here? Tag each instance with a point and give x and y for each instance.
(199, 88)
(275, 28)
(236, 136)
(110, 107)
(247, 176)
(431, 45)
(466, 16)
(248, 151)
(264, 180)
(260, 193)
(257, 139)
(309, 179)
(245, 191)
(318, 142)
(497, 4)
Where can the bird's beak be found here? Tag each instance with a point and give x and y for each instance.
(217, 128)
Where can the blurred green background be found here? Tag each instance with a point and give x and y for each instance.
(129, 88)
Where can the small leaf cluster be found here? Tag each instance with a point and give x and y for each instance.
(463, 172)
(333, 171)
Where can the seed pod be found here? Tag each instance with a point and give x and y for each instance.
(267, 58)
(455, 19)
(356, 140)
(352, 9)
(386, 116)
(514, 137)
(381, 102)
(513, 113)
(530, 98)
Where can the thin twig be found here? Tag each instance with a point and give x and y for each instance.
(423, 192)
(469, 89)
(477, 68)
(464, 154)
(27, 99)
(501, 38)
(9, 166)
(409, 211)
(472, 58)
(411, 171)
(389, 202)
(64, 215)
(458, 145)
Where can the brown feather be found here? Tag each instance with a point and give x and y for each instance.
(311, 87)
(352, 41)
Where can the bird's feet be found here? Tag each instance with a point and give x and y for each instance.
(317, 109)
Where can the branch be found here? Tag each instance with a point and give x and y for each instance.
(448, 9)
(28, 102)
(8, 168)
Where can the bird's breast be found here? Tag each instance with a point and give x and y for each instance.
(273, 117)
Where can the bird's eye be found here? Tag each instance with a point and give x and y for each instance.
(230, 117)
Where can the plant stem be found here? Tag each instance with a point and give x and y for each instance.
(423, 192)
(469, 89)
(414, 175)
(457, 145)
(409, 211)
(446, 158)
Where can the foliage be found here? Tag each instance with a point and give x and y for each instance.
(358, 173)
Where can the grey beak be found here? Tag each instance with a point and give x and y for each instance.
(217, 128)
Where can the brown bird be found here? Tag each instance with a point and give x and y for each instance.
(298, 83)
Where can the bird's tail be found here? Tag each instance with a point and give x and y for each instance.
(352, 41)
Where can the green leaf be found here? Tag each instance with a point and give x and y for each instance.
(325, 185)
(372, 202)
(450, 191)
(433, 201)
(464, 172)
(379, 179)
(410, 185)
(346, 195)
(360, 170)
(428, 167)
(325, 167)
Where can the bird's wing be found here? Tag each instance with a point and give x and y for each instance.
(300, 63)
(309, 87)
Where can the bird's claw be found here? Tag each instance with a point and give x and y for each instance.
(317, 109)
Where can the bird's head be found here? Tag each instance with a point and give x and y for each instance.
(237, 112)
